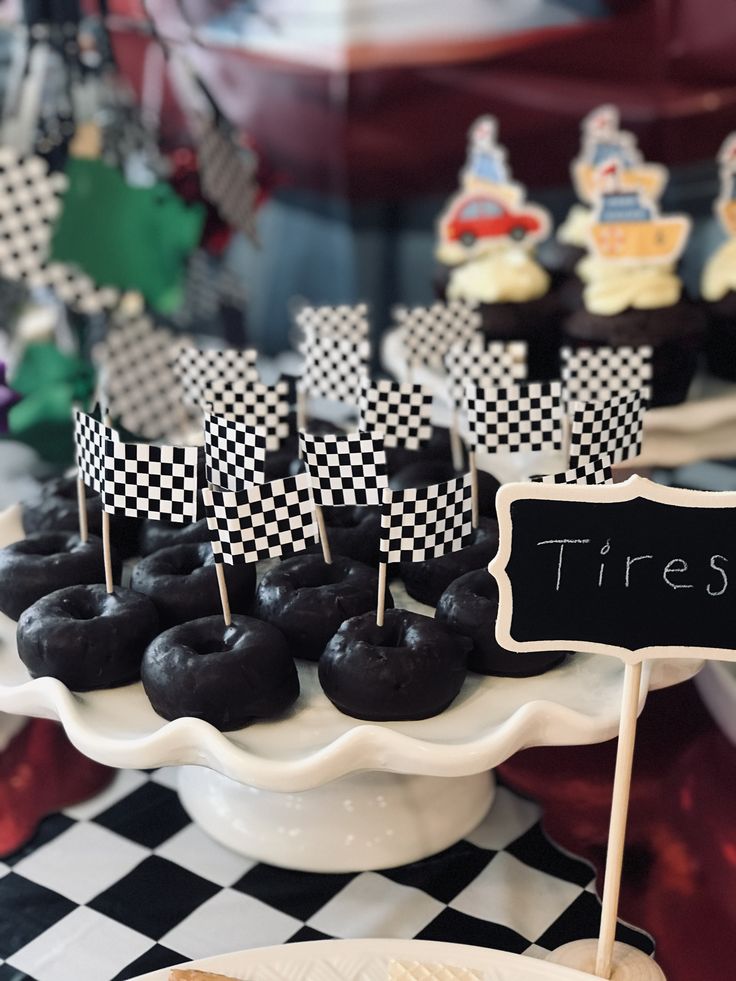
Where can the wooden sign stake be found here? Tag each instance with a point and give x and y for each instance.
(619, 814)
(474, 488)
(82, 506)
(224, 598)
(381, 601)
(323, 539)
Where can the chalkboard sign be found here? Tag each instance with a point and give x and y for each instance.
(633, 569)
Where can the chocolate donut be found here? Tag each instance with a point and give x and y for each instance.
(46, 561)
(410, 668)
(308, 600)
(353, 532)
(228, 676)
(181, 582)
(57, 510)
(427, 581)
(437, 447)
(156, 535)
(422, 473)
(469, 607)
(87, 638)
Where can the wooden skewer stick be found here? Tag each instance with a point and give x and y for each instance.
(109, 584)
(224, 597)
(619, 813)
(323, 539)
(381, 601)
(456, 445)
(474, 488)
(82, 506)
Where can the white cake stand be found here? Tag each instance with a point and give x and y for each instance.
(320, 791)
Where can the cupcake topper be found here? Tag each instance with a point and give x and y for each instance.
(600, 569)
(627, 225)
(725, 204)
(490, 210)
(603, 142)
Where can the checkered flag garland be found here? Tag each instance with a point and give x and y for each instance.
(334, 367)
(344, 470)
(593, 472)
(235, 454)
(595, 374)
(399, 413)
(263, 407)
(421, 523)
(491, 366)
(520, 417)
(89, 441)
(143, 480)
(612, 430)
(350, 322)
(137, 376)
(206, 376)
(264, 521)
(429, 332)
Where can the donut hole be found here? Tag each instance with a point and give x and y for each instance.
(313, 575)
(182, 561)
(81, 605)
(44, 544)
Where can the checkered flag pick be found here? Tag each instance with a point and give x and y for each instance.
(421, 523)
(206, 376)
(520, 417)
(142, 480)
(491, 366)
(592, 472)
(263, 407)
(264, 521)
(228, 179)
(595, 374)
(613, 429)
(350, 322)
(399, 413)
(89, 441)
(429, 332)
(334, 367)
(235, 454)
(344, 470)
(137, 376)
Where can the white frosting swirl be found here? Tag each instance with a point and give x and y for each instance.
(614, 287)
(507, 275)
(719, 274)
(575, 229)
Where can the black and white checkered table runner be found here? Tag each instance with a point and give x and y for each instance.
(125, 884)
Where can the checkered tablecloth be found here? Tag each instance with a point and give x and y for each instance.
(126, 884)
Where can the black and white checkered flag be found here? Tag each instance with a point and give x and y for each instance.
(334, 367)
(421, 523)
(137, 376)
(74, 288)
(264, 521)
(429, 332)
(613, 429)
(592, 472)
(235, 454)
(89, 441)
(143, 480)
(344, 470)
(228, 179)
(350, 322)
(263, 407)
(401, 414)
(521, 417)
(596, 374)
(210, 375)
(488, 366)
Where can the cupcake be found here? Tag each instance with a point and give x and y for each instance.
(718, 285)
(486, 240)
(632, 294)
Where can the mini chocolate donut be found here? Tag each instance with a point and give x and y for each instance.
(308, 600)
(57, 510)
(427, 581)
(181, 582)
(353, 532)
(86, 637)
(410, 668)
(156, 535)
(422, 473)
(46, 561)
(228, 676)
(469, 607)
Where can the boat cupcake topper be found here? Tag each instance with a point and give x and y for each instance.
(491, 209)
(627, 225)
(603, 142)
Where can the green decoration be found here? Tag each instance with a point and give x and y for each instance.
(135, 238)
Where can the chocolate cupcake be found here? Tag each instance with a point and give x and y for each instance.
(718, 289)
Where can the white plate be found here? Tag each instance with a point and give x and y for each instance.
(368, 960)
(492, 718)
